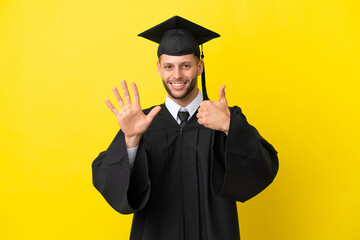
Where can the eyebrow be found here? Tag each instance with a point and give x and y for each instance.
(186, 62)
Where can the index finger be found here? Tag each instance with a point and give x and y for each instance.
(135, 94)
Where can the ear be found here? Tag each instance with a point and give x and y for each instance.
(200, 67)
(158, 66)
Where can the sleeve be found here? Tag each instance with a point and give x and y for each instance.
(243, 162)
(126, 190)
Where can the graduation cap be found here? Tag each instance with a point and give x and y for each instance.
(178, 36)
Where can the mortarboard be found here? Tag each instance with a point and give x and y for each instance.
(178, 36)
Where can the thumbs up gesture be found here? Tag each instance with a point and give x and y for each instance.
(215, 114)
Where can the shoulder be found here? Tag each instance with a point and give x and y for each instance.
(147, 110)
(162, 120)
(235, 110)
(236, 113)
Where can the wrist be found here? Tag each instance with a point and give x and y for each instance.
(132, 141)
(226, 123)
(226, 129)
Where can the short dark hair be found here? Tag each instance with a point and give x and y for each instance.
(197, 59)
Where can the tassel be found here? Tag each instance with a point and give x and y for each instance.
(205, 96)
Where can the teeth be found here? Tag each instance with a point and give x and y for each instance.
(178, 84)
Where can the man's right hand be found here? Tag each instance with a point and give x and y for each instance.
(133, 122)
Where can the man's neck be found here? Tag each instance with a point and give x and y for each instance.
(174, 108)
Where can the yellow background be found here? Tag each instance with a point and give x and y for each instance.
(293, 67)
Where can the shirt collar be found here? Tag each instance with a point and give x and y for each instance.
(174, 108)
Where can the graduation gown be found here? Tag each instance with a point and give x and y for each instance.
(185, 182)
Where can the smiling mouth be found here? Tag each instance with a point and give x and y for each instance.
(178, 84)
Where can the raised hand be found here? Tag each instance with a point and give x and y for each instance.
(215, 114)
(133, 122)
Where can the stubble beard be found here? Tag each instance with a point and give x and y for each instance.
(186, 93)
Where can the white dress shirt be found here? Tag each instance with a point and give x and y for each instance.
(173, 108)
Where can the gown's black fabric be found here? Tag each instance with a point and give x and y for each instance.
(185, 182)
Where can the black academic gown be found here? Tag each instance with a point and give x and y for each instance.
(185, 182)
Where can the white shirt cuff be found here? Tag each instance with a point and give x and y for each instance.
(132, 154)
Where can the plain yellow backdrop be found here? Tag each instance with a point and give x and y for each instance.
(292, 66)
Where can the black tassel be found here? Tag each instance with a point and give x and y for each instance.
(205, 96)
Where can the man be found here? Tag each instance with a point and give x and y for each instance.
(181, 167)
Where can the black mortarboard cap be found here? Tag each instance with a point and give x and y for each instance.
(178, 36)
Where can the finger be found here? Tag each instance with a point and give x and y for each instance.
(222, 96)
(111, 107)
(153, 112)
(202, 105)
(205, 103)
(118, 97)
(135, 94)
(126, 92)
(202, 109)
(200, 121)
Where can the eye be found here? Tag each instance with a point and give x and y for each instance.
(168, 67)
(186, 66)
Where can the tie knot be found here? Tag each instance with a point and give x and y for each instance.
(183, 116)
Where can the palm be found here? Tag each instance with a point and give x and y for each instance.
(132, 121)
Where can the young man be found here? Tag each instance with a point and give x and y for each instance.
(181, 167)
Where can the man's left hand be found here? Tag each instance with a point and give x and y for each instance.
(215, 114)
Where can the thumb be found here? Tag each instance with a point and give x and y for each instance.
(222, 97)
(153, 113)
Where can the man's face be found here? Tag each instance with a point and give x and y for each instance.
(179, 75)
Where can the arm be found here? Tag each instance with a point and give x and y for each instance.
(125, 189)
(113, 178)
(243, 162)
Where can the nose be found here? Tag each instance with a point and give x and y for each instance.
(177, 73)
